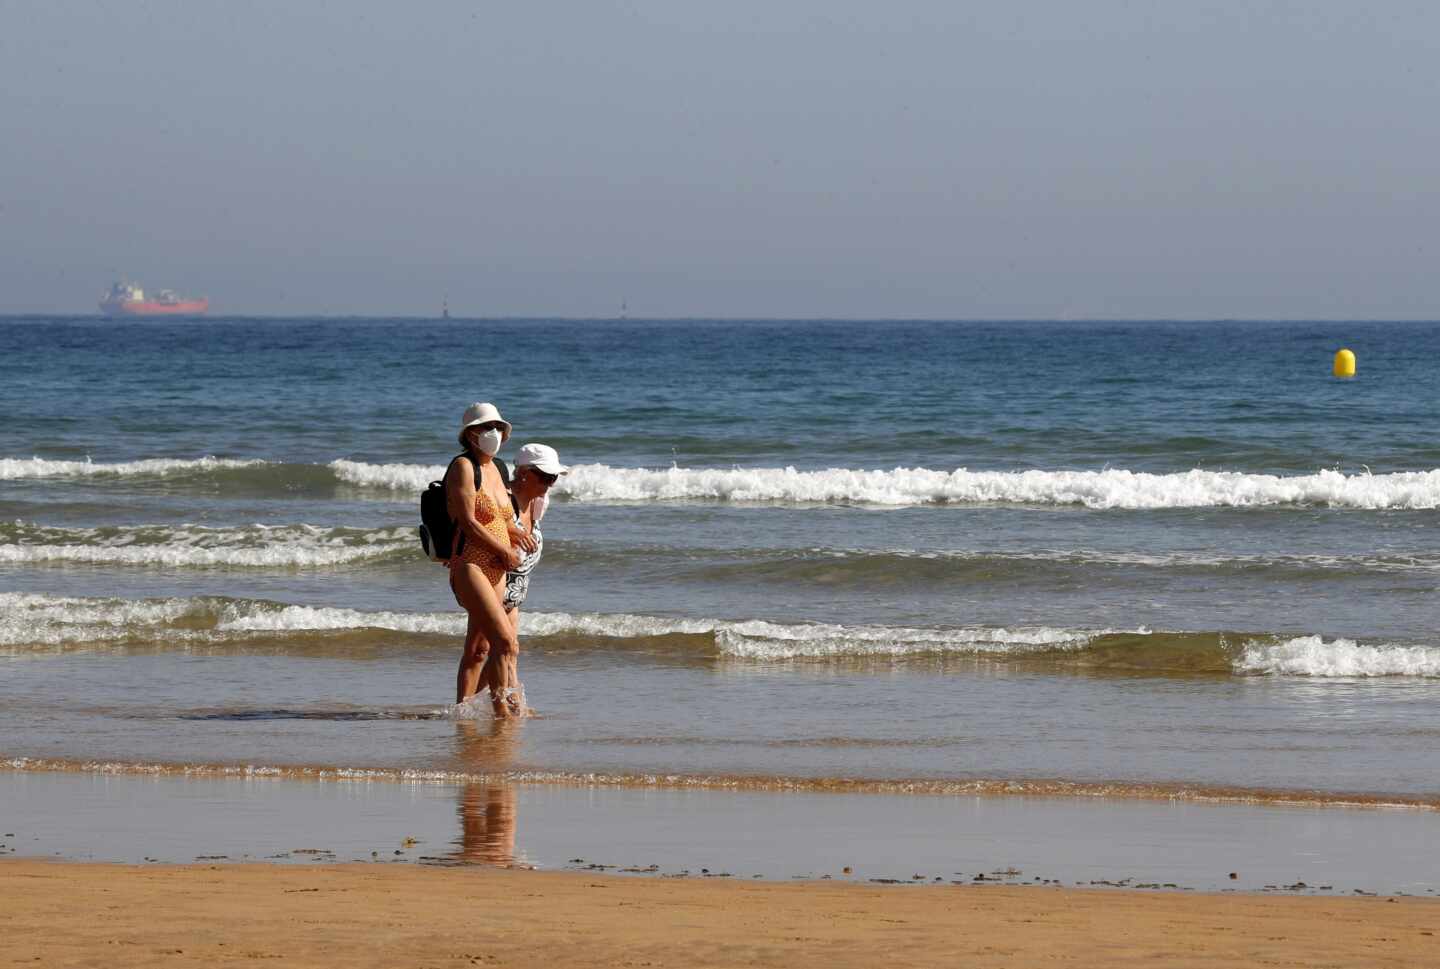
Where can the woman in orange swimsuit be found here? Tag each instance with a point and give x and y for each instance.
(487, 545)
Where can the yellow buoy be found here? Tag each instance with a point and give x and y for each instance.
(1344, 363)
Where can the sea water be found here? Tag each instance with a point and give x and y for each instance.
(1148, 559)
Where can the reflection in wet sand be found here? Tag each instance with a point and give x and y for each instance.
(487, 810)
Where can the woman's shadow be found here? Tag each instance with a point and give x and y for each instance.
(487, 808)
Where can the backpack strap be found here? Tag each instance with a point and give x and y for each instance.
(473, 463)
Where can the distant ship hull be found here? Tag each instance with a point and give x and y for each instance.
(132, 307)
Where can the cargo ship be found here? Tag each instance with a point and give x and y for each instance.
(127, 299)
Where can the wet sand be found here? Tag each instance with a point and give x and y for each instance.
(656, 832)
(61, 914)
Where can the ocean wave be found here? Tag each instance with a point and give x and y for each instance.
(1313, 656)
(921, 786)
(32, 623)
(198, 546)
(1111, 488)
(271, 617)
(1025, 566)
(392, 477)
(12, 469)
(303, 546)
(1107, 489)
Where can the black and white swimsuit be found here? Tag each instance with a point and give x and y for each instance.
(517, 583)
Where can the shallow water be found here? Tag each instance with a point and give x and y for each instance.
(1151, 559)
(668, 833)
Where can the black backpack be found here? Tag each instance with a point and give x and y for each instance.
(437, 528)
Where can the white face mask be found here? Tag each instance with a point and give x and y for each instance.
(488, 441)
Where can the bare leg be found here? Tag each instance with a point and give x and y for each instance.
(501, 673)
(472, 660)
(487, 631)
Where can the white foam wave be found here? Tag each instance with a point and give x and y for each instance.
(194, 546)
(1110, 488)
(1313, 656)
(248, 617)
(34, 620)
(1392, 562)
(772, 641)
(762, 640)
(53, 620)
(12, 469)
(394, 477)
(41, 620)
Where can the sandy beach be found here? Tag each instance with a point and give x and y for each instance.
(69, 914)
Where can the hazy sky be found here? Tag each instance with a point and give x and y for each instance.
(806, 158)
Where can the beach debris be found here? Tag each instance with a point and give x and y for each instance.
(887, 881)
(577, 861)
(846, 870)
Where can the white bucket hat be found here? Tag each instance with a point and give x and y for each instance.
(541, 456)
(483, 412)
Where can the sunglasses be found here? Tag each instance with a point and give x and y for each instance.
(546, 479)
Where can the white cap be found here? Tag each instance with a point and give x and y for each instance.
(482, 412)
(540, 456)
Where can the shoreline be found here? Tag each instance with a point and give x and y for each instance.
(745, 835)
(385, 915)
(1177, 792)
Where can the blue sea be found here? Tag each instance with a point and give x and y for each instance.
(1148, 559)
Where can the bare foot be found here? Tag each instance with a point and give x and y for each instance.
(509, 702)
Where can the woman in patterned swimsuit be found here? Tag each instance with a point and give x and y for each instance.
(488, 542)
(537, 468)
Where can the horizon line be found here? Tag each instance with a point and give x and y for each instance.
(726, 319)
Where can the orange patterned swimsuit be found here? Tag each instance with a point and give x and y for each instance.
(488, 514)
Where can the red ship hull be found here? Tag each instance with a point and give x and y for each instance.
(131, 307)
